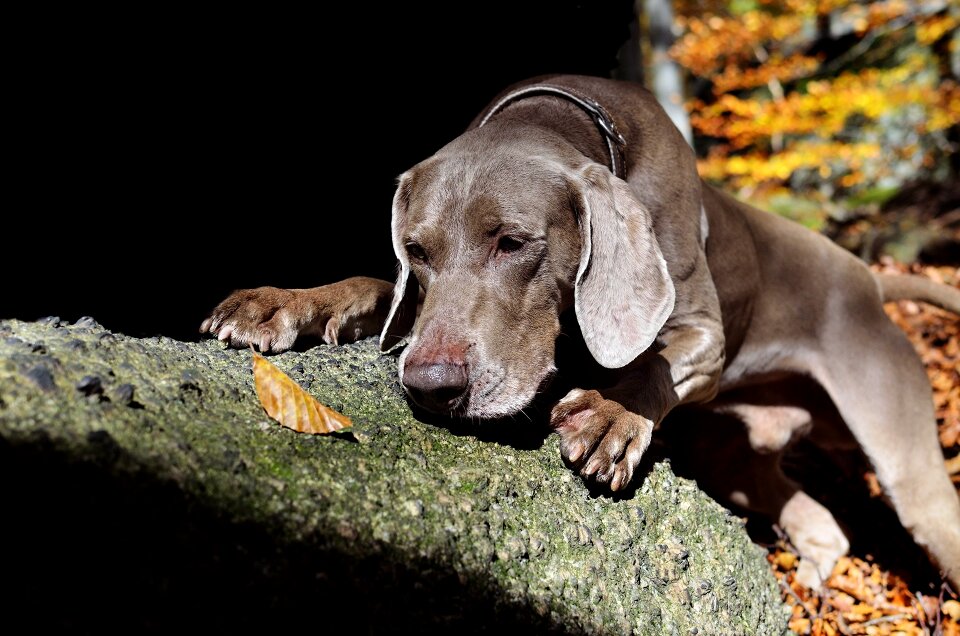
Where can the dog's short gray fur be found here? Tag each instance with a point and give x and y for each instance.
(687, 292)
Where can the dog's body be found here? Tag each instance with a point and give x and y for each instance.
(686, 292)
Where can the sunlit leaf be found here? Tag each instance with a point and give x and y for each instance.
(287, 403)
(952, 609)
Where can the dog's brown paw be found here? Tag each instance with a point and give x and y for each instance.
(266, 317)
(600, 438)
(272, 319)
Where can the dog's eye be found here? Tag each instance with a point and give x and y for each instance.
(416, 252)
(509, 244)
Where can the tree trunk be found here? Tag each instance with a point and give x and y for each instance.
(145, 490)
(666, 80)
(630, 57)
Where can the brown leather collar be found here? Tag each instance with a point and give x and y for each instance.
(605, 124)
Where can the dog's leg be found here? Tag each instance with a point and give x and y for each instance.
(272, 319)
(733, 450)
(605, 433)
(882, 393)
(759, 484)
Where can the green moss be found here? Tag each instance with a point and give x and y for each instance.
(512, 530)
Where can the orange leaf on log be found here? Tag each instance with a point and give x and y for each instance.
(286, 402)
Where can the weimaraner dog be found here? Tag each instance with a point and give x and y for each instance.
(577, 194)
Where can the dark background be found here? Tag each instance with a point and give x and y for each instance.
(162, 160)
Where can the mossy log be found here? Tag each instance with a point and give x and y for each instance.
(145, 490)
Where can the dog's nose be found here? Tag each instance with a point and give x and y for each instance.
(435, 386)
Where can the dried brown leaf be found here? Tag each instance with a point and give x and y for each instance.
(286, 402)
(873, 483)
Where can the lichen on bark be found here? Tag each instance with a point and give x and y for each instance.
(155, 455)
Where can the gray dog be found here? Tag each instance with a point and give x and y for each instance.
(577, 193)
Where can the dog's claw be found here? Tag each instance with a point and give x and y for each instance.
(592, 467)
(265, 341)
(620, 479)
(615, 483)
(205, 325)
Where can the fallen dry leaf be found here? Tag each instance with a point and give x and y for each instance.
(286, 402)
(952, 609)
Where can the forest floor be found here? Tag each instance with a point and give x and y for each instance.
(884, 594)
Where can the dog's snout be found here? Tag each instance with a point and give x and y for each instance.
(437, 385)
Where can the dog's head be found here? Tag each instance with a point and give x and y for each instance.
(501, 243)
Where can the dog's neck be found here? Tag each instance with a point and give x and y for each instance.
(614, 141)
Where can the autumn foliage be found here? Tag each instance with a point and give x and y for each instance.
(831, 97)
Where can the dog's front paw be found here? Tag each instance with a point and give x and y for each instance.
(266, 317)
(600, 438)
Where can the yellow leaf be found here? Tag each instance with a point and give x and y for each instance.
(287, 403)
(786, 560)
(952, 609)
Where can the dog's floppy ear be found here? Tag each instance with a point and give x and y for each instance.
(623, 293)
(403, 310)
